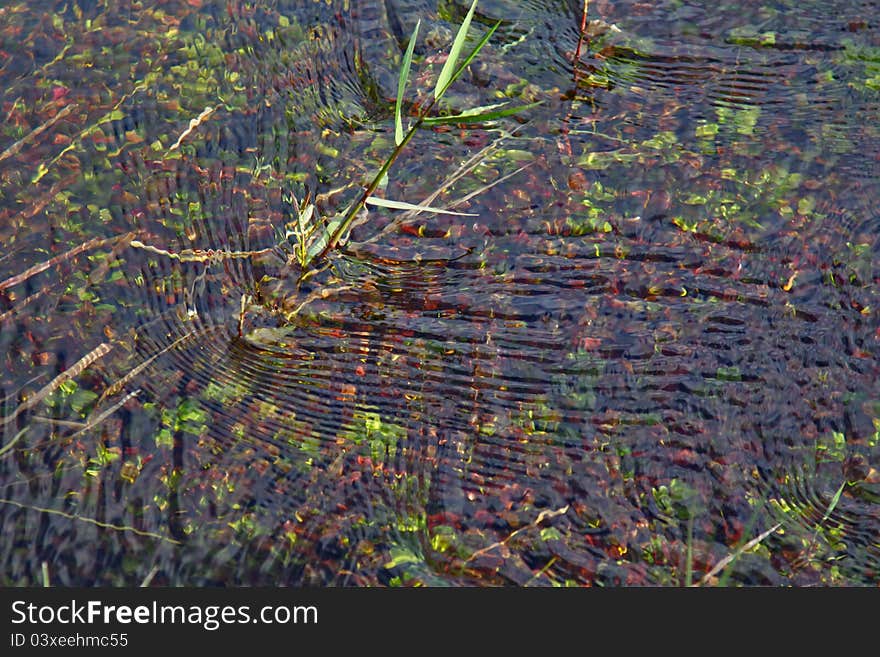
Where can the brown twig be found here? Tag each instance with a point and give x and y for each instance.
(193, 124)
(199, 255)
(21, 304)
(468, 166)
(488, 186)
(44, 167)
(12, 442)
(118, 385)
(33, 134)
(92, 423)
(149, 578)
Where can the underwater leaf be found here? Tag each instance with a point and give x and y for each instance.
(318, 246)
(479, 114)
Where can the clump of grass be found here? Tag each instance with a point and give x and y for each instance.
(313, 237)
(313, 244)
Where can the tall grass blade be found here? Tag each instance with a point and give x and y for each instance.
(402, 205)
(98, 352)
(473, 53)
(446, 73)
(401, 85)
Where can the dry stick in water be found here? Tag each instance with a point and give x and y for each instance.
(118, 385)
(67, 255)
(36, 206)
(543, 570)
(150, 575)
(44, 167)
(121, 243)
(58, 423)
(472, 163)
(488, 186)
(193, 124)
(12, 442)
(199, 255)
(544, 515)
(92, 423)
(469, 165)
(718, 567)
(21, 304)
(79, 426)
(33, 134)
(98, 352)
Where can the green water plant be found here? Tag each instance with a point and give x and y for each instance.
(311, 243)
(311, 236)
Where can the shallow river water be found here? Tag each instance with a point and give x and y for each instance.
(646, 355)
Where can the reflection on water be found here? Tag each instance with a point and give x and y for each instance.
(658, 339)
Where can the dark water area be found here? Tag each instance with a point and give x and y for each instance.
(647, 355)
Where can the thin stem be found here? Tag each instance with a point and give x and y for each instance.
(97, 523)
(583, 35)
(368, 191)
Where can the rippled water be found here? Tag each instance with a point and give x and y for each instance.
(655, 343)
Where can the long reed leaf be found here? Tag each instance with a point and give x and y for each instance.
(473, 53)
(401, 84)
(446, 73)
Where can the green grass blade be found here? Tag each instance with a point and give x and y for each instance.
(479, 114)
(402, 205)
(446, 73)
(401, 84)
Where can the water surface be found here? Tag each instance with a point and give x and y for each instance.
(655, 343)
